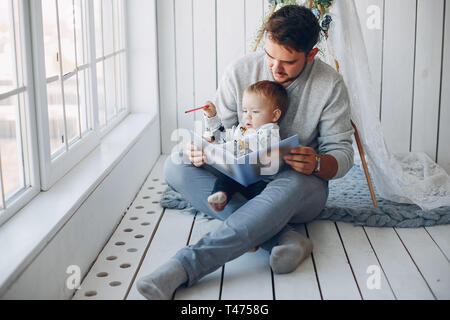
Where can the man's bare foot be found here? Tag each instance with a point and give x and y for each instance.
(218, 201)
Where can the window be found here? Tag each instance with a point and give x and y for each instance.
(110, 59)
(62, 87)
(80, 70)
(18, 170)
(67, 73)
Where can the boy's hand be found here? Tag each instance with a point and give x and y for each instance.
(208, 139)
(211, 111)
(195, 155)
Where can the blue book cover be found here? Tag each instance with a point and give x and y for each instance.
(249, 168)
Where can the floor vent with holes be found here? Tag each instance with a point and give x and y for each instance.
(117, 264)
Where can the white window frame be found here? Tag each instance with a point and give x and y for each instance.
(41, 171)
(52, 169)
(120, 115)
(30, 146)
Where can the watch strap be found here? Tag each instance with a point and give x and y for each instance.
(318, 164)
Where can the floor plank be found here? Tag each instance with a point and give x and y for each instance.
(333, 271)
(172, 234)
(248, 277)
(430, 260)
(364, 263)
(441, 235)
(300, 284)
(403, 276)
(209, 287)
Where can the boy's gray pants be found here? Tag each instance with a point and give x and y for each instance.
(290, 197)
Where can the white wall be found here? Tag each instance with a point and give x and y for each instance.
(198, 38)
(142, 55)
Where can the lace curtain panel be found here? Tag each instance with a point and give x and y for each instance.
(400, 177)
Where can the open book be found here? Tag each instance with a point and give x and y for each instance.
(251, 167)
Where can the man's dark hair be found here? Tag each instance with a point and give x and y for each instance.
(295, 27)
(272, 91)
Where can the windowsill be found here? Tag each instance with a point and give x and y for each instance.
(25, 235)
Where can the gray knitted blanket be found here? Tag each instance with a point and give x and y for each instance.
(349, 201)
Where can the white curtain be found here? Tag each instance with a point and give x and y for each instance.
(406, 178)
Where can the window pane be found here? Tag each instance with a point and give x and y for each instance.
(85, 99)
(71, 101)
(82, 59)
(118, 89)
(98, 28)
(80, 28)
(101, 95)
(12, 111)
(110, 88)
(67, 116)
(50, 38)
(108, 31)
(55, 117)
(122, 24)
(10, 144)
(18, 43)
(26, 157)
(6, 49)
(66, 19)
(117, 25)
(123, 79)
(109, 22)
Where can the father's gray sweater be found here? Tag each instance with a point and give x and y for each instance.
(319, 107)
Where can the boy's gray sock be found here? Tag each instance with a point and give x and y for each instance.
(291, 250)
(162, 283)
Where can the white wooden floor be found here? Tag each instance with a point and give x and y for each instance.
(345, 263)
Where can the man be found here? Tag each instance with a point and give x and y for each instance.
(318, 112)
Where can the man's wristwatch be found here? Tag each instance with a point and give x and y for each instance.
(317, 169)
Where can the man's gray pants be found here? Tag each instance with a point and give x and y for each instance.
(290, 197)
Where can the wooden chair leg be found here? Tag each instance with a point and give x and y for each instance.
(366, 170)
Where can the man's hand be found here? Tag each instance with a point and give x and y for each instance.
(302, 160)
(195, 154)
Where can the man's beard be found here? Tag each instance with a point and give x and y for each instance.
(289, 79)
(292, 79)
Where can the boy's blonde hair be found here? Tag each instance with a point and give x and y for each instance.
(273, 91)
